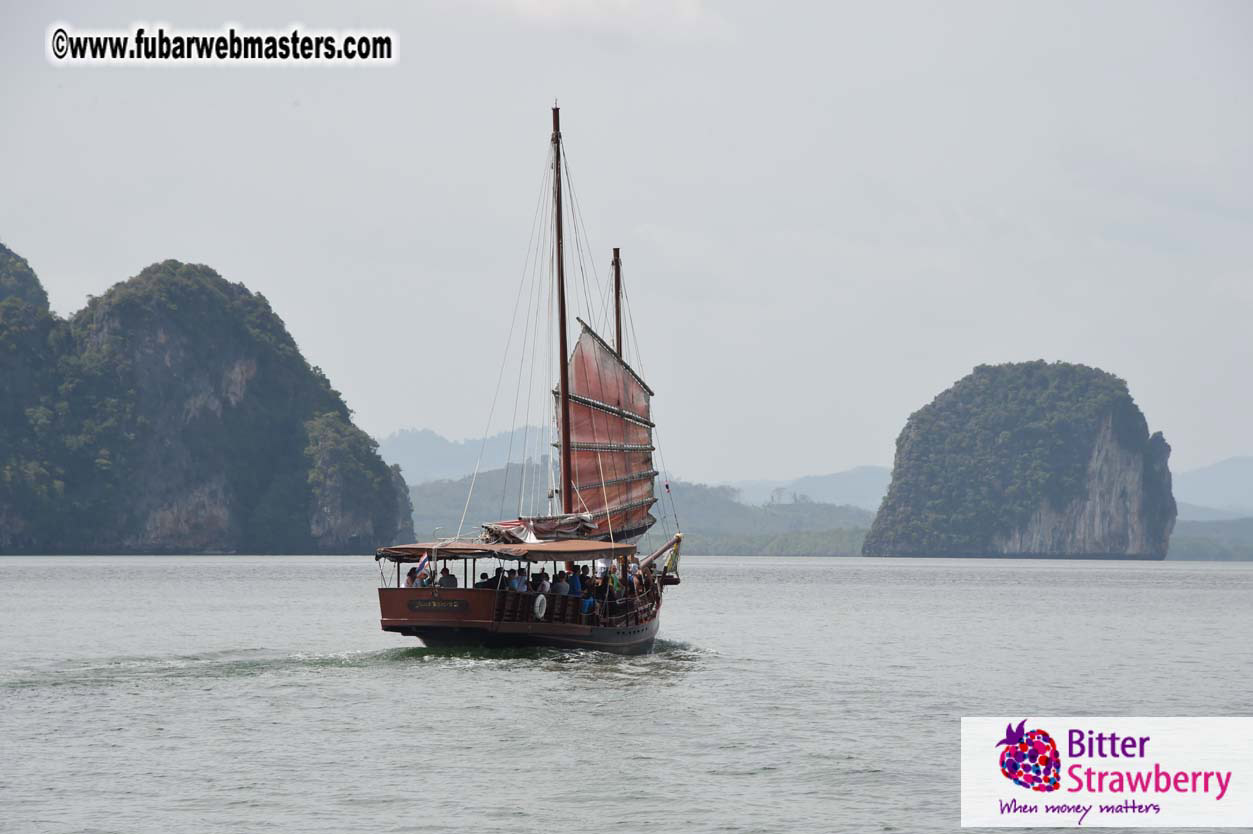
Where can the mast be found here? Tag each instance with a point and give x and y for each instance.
(563, 359)
(617, 301)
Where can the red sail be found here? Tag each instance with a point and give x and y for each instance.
(611, 440)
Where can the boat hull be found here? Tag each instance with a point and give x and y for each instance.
(449, 618)
(633, 640)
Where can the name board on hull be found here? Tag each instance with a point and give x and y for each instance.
(438, 604)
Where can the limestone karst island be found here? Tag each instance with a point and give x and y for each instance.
(1029, 459)
(175, 414)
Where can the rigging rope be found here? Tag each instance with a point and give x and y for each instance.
(530, 392)
(504, 359)
(576, 217)
(537, 247)
(665, 471)
(513, 420)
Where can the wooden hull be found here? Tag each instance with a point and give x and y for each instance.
(441, 617)
(633, 640)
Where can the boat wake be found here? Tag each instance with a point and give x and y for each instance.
(667, 656)
(125, 669)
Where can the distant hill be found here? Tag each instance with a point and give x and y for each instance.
(1226, 485)
(439, 504)
(1213, 540)
(1195, 512)
(861, 486)
(714, 510)
(427, 456)
(713, 521)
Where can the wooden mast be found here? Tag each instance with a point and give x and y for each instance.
(617, 300)
(563, 359)
(617, 317)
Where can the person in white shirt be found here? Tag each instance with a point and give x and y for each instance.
(543, 586)
(411, 578)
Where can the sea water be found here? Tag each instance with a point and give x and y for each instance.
(150, 694)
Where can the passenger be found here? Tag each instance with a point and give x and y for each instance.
(561, 586)
(446, 579)
(411, 578)
(424, 580)
(484, 582)
(604, 587)
(501, 580)
(586, 578)
(542, 585)
(518, 581)
(588, 603)
(576, 587)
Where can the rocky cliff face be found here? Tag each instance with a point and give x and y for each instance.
(1028, 459)
(179, 416)
(1115, 513)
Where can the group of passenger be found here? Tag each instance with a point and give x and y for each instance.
(422, 579)
(605, 587)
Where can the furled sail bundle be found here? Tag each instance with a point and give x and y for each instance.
(611, 441)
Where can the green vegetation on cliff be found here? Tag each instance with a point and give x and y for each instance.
(176, 414)
(977, 465)
(18, 280)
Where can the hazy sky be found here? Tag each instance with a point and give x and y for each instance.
(828, 212)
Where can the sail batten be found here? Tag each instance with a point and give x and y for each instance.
(607, 447)
(609, 409)
(638, 476)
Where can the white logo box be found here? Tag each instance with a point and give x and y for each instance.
(1122, 772)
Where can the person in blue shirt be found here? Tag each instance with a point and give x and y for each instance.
(576, 587)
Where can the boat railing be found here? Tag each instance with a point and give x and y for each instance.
(519, 606)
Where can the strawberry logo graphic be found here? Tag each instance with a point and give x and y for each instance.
(1030, 758)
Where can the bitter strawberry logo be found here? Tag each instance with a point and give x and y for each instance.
(1030, 758)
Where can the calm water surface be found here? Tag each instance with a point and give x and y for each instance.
(150, 694)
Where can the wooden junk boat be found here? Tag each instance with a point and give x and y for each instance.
(605, 484)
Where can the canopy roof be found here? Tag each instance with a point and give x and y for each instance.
(564, 550)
